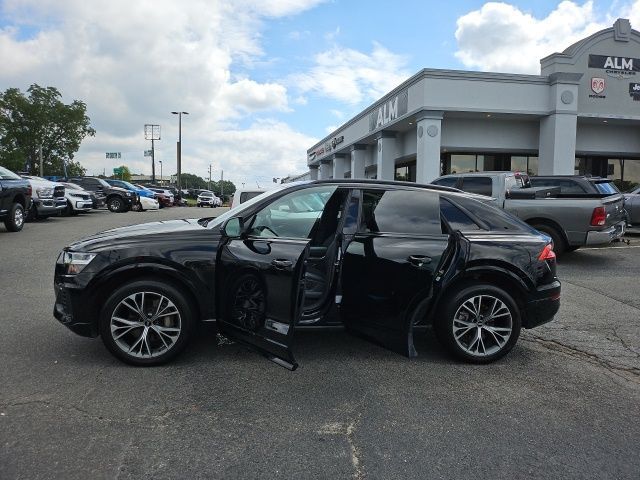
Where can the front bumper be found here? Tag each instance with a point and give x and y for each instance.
(70, 309)
(604, 237)
(49, 206)
(83, 205)
(542, 306)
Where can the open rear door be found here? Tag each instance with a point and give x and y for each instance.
(261, 292)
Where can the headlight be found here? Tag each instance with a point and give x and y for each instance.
(44, 192)
(74, 262)
(128, 194)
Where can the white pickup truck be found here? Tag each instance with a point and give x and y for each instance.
(48, 197)
(571, 222)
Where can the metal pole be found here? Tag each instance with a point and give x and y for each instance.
(153, 163)
(160, 171)
(179, 148)
(209, 176)
(222, 185)
(41, 163)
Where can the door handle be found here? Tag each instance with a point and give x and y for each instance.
(281, 264)
(419, 260)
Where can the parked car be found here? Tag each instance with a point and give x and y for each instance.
(208, 199)
(244, 194)
(116, 199)
(632, 205)
(48, 198)
(15, 199)
(147, 203)
(167, 194)
(571, 221)
(78, 199)
(139, 192)
(572, 186)
(164, 200)
(383, 259)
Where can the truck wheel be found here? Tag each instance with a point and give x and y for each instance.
(479, 323)
(559, 245)
(115, 204)
(15, 218)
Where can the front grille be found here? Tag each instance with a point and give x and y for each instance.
(64, 302)
(58, 191)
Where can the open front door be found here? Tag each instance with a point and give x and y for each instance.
(261, 292)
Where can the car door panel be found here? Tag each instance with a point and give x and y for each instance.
(277, 264)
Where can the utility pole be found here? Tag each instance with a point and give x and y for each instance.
(160, 161)
(209, 176)
(179, 146)
(222, 185)
(41, 163)
(152, 132)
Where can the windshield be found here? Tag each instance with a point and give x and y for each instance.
(127, 185)
(216, 222)
(8, 174)
(206, 194)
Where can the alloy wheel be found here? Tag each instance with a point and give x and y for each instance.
(18, 218)
(482, 325)
(249, 304)
(145, 324)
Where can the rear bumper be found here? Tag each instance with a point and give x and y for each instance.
(543, 306)
(603, 237)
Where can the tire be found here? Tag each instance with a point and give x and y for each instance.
(137, 207)
(118, 320)
(457, 327)
(68, 210)
(559, 244)
(116, 205)
(15, 218)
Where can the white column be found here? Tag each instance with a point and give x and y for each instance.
(358, 155)
(429, 134)
(313, 172)
(557, 147)
(339, 166)
(325, 169)
(386, 155)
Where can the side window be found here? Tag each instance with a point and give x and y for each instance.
(569, 186)
(293, 215)
(400, 211)
(479, 185)
(446, 181)
(456, 218)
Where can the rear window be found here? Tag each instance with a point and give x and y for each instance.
(401, 211)
(479, 185)
(495, 218)
(446, 181)
(456, 218)
(566, 185)
(244, 196)
(607, 188)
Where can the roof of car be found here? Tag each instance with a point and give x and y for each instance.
(391, 183)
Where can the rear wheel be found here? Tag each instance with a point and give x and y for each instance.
(15, 218)
(559, 244)
(146, 323)
(116, 204)
(479, 323)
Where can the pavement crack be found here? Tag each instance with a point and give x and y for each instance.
(600, 292)
(356, 454)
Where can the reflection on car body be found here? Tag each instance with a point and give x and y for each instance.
(382, 259)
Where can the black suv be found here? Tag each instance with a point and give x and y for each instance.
(117, 199)
(15, 199)
(383, 259)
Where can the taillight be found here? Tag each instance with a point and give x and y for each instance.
(598, 217)
(547, 253)
(29, 190)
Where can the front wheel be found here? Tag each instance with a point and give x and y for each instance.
(146, 323)
(15, 218)
(116, 204)
(479, 323)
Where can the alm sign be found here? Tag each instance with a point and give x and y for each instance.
(389, 110)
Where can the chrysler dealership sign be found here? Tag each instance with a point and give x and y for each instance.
(388, 111)
(615, 66)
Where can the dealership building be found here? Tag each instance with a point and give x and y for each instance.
(580, 115)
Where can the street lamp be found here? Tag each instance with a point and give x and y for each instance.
(160, 162)
(179, 150)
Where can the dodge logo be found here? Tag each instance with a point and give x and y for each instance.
(597, 84)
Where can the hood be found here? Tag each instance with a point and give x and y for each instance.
(138, 234)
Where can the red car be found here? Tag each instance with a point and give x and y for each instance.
(163, 199)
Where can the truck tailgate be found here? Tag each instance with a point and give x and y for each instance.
(614, 207)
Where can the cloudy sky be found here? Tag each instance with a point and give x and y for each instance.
(262, 79)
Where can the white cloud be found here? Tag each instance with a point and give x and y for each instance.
(352, 76)
(502, 37)
(134, 62)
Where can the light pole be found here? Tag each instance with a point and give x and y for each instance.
(160, 162)
(179, 150)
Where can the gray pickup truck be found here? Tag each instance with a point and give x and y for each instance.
(570, 222)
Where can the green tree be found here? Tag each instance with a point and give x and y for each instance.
(40, 120)
(229, 187)
(125, 175)
(189, 180)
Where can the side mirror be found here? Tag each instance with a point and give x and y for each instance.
(234, 227)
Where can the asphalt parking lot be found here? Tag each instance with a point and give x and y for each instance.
(564, 403)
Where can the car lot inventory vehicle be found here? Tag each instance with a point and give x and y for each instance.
(78, 199)
(576, 185)
(242, 195)
(208, 199)
(15, 199)
(571, 221)
(48, 197)
(632, 205)
(383, 259)
(117, 199)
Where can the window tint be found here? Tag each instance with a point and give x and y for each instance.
(400, 211)
(607, 188)
(566, 186)
(244, 196)
(479, 185)
(446, 181)
(293, 215)
(495, 218)
(456, 218)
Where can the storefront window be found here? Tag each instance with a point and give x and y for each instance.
(518, 164)
(532, 166)
(463, 163)
(406, 172)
